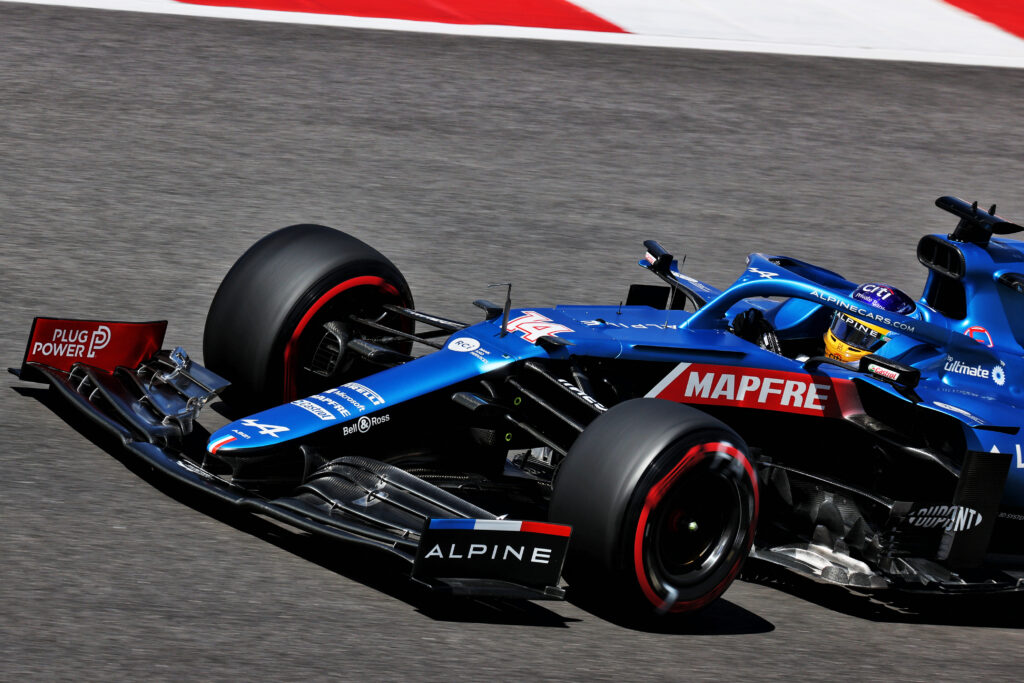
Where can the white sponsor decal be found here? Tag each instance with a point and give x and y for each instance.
(464, 344)
(949, 517)
(627, 326)
(875, 314)
(692, 280)
(538, 555)
(319, 411)
(882, 291)
(534, 326)
(366, 392)
(729, 386)
(754, 390)
(587, 398)
(265, 429)
(470, 346)
(345, 397)
(958, 409)
(364, 424)
(191, 467)
(74, 343)
(996, 374)
(340, 409)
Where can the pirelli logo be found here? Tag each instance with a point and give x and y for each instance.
(726, 385)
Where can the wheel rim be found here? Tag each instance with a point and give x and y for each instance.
(361, 296)
(691, 529)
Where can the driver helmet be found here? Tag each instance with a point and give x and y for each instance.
(850, 339)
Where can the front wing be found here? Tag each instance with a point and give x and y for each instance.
(151, 407)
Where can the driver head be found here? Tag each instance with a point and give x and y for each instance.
(849, 338)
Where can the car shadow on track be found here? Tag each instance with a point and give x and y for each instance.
(720, 618)
(1004, 610)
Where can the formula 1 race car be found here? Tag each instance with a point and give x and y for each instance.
(842, 431)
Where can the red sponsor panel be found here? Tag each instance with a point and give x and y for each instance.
(533, 13)
(778, 390)
(59, 344)
(1006, 14)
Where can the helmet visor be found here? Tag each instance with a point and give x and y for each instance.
(857, 334)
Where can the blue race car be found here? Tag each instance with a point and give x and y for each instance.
(840, 430)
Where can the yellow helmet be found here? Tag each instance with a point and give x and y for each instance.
(850, 339)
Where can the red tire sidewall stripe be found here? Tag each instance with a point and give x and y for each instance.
(290, 388)
(654, 496)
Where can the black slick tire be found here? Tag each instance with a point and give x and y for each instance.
(268, 314)
(663, 503)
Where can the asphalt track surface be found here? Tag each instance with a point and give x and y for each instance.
(140, 154)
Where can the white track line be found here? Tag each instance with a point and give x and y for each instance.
(759, 40)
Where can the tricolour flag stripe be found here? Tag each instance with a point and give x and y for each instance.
(215, 445)
(501, 525)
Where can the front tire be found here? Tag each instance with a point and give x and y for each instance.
(266, 321)
(663, 503)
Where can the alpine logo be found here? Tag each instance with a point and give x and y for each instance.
(726, 385)
(491, 551)
(766, 274)
(265, 430)
(534, 326)
(949, 517)
(365, 423)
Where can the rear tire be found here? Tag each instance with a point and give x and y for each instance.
(267, 317)
(663, 503)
